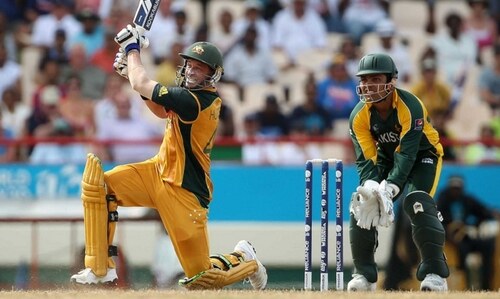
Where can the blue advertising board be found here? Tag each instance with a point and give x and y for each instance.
(242, 193)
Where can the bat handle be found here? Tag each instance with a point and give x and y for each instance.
(140, 29)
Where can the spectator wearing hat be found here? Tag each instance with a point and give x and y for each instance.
(489, 83)
(434, 93)
(253, 17)
(391, 45)
(92, 34)
(337, 92)
(59, 17)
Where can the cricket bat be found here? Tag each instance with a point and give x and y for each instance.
(144, 16)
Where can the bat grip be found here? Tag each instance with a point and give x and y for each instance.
(140, 29)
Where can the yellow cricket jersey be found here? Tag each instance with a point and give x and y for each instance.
(184, 156)
(395, 142)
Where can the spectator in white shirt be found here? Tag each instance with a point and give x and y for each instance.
(106, 108)
(161, 36)
(248, 64)
(456, 53)
(298, 28)
(60, 17)
(125, 127)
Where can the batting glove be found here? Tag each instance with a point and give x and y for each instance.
(121, 64)
(130, 38)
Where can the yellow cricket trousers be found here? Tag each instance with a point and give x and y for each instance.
(139, 185)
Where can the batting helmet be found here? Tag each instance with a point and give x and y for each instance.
(206, 53)
(377, 64)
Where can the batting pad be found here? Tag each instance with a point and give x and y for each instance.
(95, 216)
(214, 279)
(226, 261)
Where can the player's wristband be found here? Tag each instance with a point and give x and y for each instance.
(133, 46)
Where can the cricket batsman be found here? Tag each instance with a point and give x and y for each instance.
(396, 146)
(176, 182)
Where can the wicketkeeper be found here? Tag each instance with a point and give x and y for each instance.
(176, 182)
(396, 146)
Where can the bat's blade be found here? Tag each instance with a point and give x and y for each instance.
(145, 13)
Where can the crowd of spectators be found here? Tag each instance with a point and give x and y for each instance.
(75, 92)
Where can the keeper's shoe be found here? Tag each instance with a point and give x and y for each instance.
(359, 283)
(434, 283)
(258, 280)
(86, 276)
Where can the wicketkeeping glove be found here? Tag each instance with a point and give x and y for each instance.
(130, 38)
(121, 64)
(365, 206)
(385, 193)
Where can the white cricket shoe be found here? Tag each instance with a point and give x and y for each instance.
(434, 283)
(359, 283)
(258, 280)
(86, 276)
